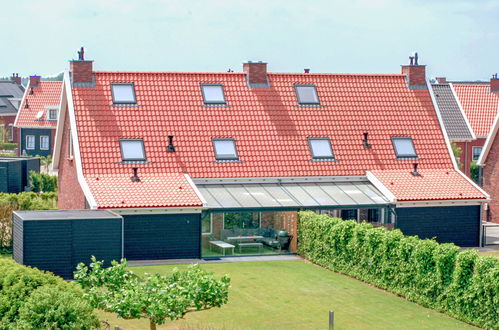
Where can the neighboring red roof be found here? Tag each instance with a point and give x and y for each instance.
(118, 191)
(46, 94)
(430, 185)
(479, 105)
(268, 125)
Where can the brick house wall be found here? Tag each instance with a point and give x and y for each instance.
(6, 120)
(467, 153)
(490, 178)
(70, 193)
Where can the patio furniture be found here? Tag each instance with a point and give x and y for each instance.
(267, 236)
(242, 239)
(250, 245)
(222, 245)
(284, 242)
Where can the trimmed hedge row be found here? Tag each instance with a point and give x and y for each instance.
(459, 283)
(32, 299)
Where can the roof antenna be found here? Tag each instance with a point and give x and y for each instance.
(415, 172)
(366, 140)
(135, 177)
(81, 54)
(171, 147)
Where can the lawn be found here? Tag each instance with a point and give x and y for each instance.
(489, 253)
(297, 294)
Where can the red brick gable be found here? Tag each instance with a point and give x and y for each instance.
(268, 125)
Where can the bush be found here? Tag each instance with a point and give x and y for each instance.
(475, 172)
(459, 283)
(42, 182)
(22, 201)
(7, 146)
(32, 299)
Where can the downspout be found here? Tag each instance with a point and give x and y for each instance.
(480, 229)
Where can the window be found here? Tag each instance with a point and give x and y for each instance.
(70, 145)
(53, 114)
(213, 94)
(373, 215)
(123, 93)
(320, 148)
(206, 224)
(350, 214)
(44, 142)
(225, 149)
(244, 220)
(30, 142)
(11, 132)
(476, 153)
(132, 149)
(307, 94)
(404, 148)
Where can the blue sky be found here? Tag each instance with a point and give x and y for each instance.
(455, 38)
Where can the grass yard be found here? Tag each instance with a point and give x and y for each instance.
(489, 253)
(297, 294)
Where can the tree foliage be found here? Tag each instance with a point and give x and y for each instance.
(457, 151)
(459, 283)
(155, 297)
(42, 182)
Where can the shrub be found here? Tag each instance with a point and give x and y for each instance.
(475, 172)
(8, 146)
(42, 182)
(32, 299)
(459, 283)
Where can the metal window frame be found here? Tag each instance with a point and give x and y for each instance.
(297, 86)
(473, 153)
(312, 149)
(48, 142)
(211, 225)
(34, 142)
(132, 159)
(51, 111)
(213, 102)
(395, 138)
(124, 84)
(217, 156)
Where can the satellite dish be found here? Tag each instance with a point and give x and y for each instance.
(39, 115)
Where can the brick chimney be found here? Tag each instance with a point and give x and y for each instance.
(256, 74)
(81, 71)
(415, 73)
(494, 84)
(34, 81)
(15, 78)
(441, 80)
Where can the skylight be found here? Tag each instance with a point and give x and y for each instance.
(225, 149)
(307, 94)
(123, 93)
(213, 93)
(321, 148)
(132, 149)
(404, 148)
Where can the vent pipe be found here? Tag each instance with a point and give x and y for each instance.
(415, 171)
(171, 147)
(135, 177)
(306, 70)
(366, 140)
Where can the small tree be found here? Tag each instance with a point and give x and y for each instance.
(457, 151)
(155, 297)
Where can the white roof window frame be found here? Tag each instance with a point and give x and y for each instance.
(50, 111)
(122, 141)
(318, 157)
(300, 102)
(401, 155)
(225, 157)
(208, 102)
(118, 102)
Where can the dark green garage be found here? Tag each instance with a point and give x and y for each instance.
(162, 236)
(448, 224)
(57, 241)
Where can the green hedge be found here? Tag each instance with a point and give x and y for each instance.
(42, 182)
(32, 299)
(7, 146)
(459, 283)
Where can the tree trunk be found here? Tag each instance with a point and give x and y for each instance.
(152, 325)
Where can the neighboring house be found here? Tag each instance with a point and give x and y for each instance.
(489, 157)
(468, 110)
(11, 93)
(206, 164)
(37, 117)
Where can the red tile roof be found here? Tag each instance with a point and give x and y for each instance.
(47, 93)
(432, 184)
(118, 191)
(479, 105)
(269, 127)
